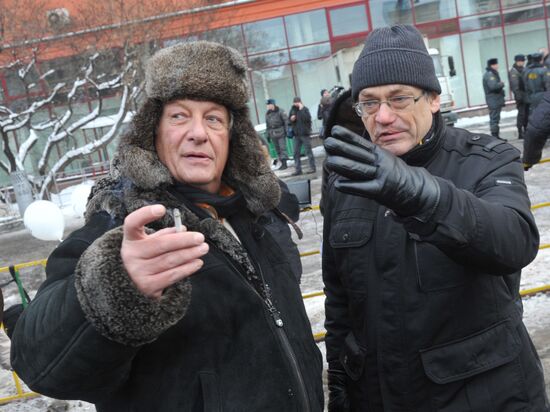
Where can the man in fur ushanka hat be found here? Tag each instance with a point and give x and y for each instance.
(140, 313)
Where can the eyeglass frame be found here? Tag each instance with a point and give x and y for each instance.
(359, 111)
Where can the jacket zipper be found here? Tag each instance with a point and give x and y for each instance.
(278, 321)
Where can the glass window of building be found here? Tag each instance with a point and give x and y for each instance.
(265, 35)
(514, 3)
(524, 38)
(482, 21)
(526, 12)
(229, 36)
(19, 87)
(480, 46)
(389, 12)
(430, 10)
(305, 28)
(275, 83)
(467, 7)
(310, 52)
(262, 61)
(448, 48)
(348, 20)
(311, 78)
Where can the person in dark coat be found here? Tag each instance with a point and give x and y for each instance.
(276, 123)
(538, 131)
(140, 312)
(494, 94)
(323, 109)
(300, 120)
(517, 86)
(537, 81)
(426, 230)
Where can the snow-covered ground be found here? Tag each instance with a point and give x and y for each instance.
(537, 308)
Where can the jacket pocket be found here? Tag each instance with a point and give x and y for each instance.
(477, 353)
(347, 238)
(479, 373)
(210, 392)
(352, 357)
(350, 233)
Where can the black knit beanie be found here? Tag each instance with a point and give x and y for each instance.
(394, 55)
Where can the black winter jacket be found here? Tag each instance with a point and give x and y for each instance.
(234, 336)
(493, 88)
(301, 126)
(226, 344)
(538, 131)
(517, 84)
(427, 317)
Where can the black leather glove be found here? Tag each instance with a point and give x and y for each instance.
(377, 174)
(337, 395)
(527, 166)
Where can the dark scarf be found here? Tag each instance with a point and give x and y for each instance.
(233, 208)
(421, 154)
(225, 206)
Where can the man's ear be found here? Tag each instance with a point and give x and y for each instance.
(435, 102)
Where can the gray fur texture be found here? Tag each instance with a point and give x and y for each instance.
(202, 70)
(113, 304)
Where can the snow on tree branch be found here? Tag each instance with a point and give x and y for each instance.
(90, 147)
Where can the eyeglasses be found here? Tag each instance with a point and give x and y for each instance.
(395, 103)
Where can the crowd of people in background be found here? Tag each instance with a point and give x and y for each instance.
(297, 125)
(529, 79)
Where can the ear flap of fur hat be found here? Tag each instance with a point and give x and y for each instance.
(247, 167)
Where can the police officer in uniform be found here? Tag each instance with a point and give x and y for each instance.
(518, 88)
(537, 81)
(494, 94)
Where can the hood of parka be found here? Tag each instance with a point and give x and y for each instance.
(204, 71)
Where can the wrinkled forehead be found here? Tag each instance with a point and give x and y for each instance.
(388, 90)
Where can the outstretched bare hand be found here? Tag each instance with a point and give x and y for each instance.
(156, 261)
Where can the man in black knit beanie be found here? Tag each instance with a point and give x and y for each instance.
(426, 230)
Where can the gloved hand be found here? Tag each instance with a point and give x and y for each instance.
(527, 166)
(337, 395)
(377, 174)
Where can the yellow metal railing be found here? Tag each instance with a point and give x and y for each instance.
(20, 394)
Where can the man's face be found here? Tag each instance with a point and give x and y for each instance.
(270, 106)
(193, 142)
(326, 93)
(399, 131)
(494, 66)
(520, 63)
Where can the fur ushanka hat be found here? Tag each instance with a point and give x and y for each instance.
(204, 71)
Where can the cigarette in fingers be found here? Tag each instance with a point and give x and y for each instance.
(177, 220)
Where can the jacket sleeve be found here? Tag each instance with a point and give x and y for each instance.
(78, 337)
(307, 118)
(337, 322)
(515, 85)
(489, 227)
(538, 130)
